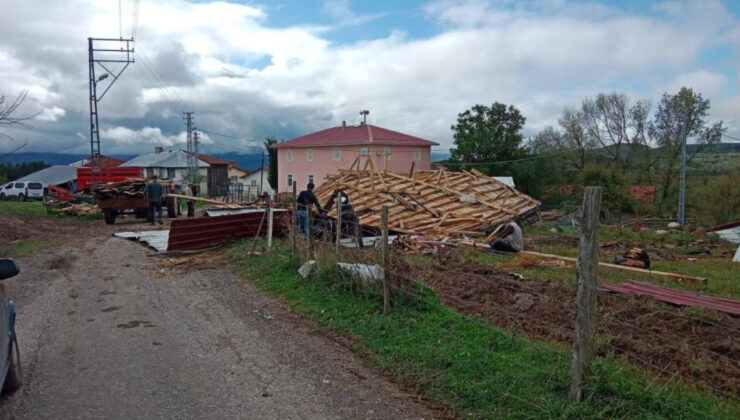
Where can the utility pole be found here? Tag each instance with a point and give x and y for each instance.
(196, 138)
(192, 158)
(682, 184)
(262, 171)
(106, 54)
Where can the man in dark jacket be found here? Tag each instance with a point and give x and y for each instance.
(153, 192)
(304, 201)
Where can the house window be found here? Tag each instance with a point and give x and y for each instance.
(170, 173)
(254, 182)
(417, 154)
(289, 155)
(387, 153)
(290, 180)
(337, 153)
(310, 179)
(309, 155)
(363, 151)
(150, 172)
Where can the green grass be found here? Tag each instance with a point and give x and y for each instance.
(22, 248)
(37, 209)
(720, 272)
(477, 370)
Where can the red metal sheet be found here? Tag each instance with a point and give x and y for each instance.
(676, 297)
(205, 232)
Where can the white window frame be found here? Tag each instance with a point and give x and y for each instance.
(309, 155)
(290, 179)
(387, 153)
(337, 154)
(289, 155)
(310, 178)
(417, 154)
(364, 151)
(253, 183)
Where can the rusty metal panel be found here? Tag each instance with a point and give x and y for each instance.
(205, 232)
(676, 297)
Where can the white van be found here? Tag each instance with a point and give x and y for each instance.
(22, 191)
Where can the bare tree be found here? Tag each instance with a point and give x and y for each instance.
(9, 117)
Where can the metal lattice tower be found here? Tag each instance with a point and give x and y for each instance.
(107, 54)
(682, 180)
(192, 150)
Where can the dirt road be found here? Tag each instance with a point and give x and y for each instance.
(103, 335)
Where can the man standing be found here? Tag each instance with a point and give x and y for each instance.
(510, 239)
(153, 192)
(304, 201)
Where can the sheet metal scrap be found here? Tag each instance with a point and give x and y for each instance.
(436, 202)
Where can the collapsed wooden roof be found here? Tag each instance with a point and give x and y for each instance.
(436, 202)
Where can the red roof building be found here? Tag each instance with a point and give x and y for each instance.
(311, 157)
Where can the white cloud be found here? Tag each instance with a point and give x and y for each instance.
(244, 76)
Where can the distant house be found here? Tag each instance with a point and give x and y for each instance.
(256, 182)
(218, 174)
(170, 165)
(311, 157)
(235, 172)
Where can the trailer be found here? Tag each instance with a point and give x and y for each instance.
(85, 179)
(115, 206)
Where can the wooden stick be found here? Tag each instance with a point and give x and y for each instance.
(204, 200)
(338, 202)
(295, 222)
(386, 271)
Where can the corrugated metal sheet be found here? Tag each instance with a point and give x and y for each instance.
(156, 239)
(53, 175)
(205, 232)
(164, 159)
(732, 234)
(215, 212)
(676, 297)
(737, 255)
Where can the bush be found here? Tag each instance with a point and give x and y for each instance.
(615, 197)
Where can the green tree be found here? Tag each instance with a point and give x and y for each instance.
(488, 134)
(272, 174)
(679, 115)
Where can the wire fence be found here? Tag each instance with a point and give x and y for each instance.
(382, 271)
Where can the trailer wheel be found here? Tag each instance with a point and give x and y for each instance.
(110, 216)
(171, 209)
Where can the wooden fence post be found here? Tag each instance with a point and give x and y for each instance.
(586, 305)
(338, 202)
(269, 226)
(386, 265)
(309, 232)
(295, 223)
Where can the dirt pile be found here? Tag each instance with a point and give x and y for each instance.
(698, 346)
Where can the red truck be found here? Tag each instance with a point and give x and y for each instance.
(116, 174)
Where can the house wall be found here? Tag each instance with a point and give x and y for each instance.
(218, 179)
(180, 176)
(251, 191)
(324, 162)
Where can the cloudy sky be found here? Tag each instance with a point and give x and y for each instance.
(250, 69)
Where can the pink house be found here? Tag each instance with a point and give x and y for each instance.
(311, 157)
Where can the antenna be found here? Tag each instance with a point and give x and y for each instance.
(364, 113)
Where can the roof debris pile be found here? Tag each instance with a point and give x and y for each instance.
(133, 187)
(435, 202)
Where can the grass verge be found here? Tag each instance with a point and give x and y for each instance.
(475, 369)
(37, 209)
(22, 248)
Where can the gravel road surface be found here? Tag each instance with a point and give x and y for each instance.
(105, 334)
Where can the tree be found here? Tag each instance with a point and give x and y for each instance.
(272, 174)
(488, 134)
(679, 115)
(8, 117)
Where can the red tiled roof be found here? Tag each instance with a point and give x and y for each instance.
(106, 162)
(212, 160)
(355, 135)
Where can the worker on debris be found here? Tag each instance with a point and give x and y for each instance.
(153, 193)
(510, 239)
(304, 201)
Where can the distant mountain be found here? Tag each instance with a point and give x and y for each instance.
(245, 161)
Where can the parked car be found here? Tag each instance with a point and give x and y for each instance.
(11, 374)
(22, 191)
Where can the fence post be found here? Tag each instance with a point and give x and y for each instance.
(295, 223)
(586, 306)
(386, 270)
(309, 232)
(269, 227)
(338, 202)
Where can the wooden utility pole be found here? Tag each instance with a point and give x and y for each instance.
(309, 232)
(586, 305)
(295, 222)
(386, 265)
(338, 202)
